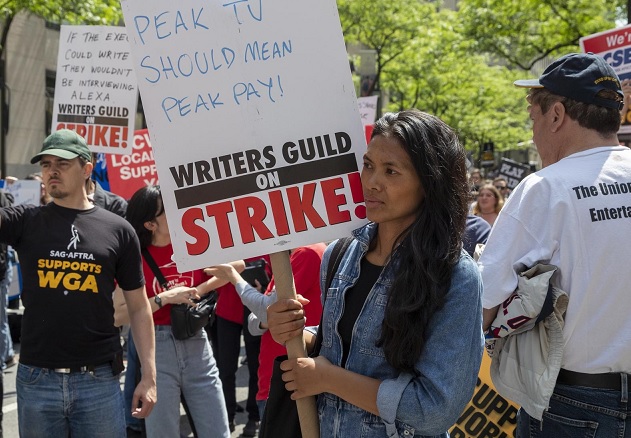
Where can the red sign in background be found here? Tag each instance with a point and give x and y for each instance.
(128, 173)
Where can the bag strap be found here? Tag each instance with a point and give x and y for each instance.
(337, 253)
(336, 257)
(155, 269)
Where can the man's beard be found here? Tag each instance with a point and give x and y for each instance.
(57, 194)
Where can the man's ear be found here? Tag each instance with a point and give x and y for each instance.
(557, 113)
(87, 169)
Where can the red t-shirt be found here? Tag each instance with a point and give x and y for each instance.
(229, 305)
(305, 265)
(162, 256)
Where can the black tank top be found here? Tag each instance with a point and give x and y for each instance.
(354, 302)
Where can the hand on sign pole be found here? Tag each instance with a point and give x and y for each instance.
(286, 290)
(286, 319)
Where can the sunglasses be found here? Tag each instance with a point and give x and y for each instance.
(501, 187)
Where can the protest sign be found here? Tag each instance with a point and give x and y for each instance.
(487, 158)
(368, 129)
(23, 191)
(254, 124)
(488, 414)
(368, 109)
(513, 172)
(95, 88)
(128, 173)
(614, 46)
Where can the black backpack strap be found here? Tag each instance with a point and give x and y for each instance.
(336, 257)
(155, 269)
(337, 253)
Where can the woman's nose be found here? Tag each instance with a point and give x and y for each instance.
(371, 181)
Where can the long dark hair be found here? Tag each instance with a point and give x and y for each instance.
(144, 206)
(431, 246)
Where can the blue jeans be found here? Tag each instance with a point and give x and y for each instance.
(261, 405)
(187, 367)
(86, 404)
(578, 411)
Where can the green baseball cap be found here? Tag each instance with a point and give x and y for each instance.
(64, 144)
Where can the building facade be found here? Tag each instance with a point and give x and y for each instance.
(31, 52)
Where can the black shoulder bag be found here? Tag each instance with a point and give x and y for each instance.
(280, 419)
(186, 321)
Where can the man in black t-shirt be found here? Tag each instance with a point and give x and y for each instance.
(72, 255)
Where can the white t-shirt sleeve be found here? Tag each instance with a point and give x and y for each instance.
(520, 238)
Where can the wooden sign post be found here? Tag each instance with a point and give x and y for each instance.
(285, 289)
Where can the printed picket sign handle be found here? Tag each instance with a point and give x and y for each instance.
(285, 289)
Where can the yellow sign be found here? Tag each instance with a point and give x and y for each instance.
(488, 414)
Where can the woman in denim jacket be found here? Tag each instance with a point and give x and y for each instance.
(402, 339)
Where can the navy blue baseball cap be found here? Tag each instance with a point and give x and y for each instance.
(579, 76)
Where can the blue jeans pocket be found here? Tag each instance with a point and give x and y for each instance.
(566, 417)
(559, 425)
(28, 375)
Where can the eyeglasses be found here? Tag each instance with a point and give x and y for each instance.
(501, 187)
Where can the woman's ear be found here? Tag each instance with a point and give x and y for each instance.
(150, 225)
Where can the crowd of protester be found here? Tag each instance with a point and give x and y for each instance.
(401, 316)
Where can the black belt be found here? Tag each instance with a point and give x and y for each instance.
(602, 381)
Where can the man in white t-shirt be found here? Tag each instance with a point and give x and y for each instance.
(575, 213)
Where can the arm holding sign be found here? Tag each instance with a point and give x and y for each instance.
(313, 376)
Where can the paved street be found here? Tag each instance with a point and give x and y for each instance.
(10, 418)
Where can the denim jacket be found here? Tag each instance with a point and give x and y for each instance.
(426, 404)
